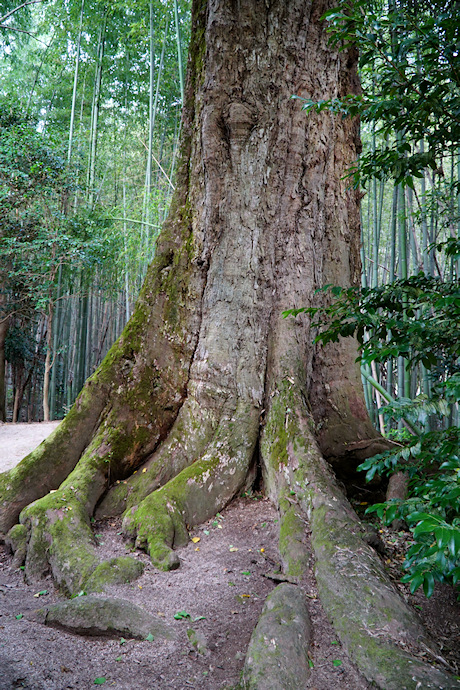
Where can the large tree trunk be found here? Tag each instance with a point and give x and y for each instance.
(208, 378)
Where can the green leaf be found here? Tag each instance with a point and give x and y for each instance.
(180, 615)
(99, 681)
(415, 582)
(424, 527)
(150, 637)
(19, 616)
(443, 536)
(454, 543)
(428, 585)
(391, 512)
(337, 662)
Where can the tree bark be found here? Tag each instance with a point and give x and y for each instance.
(208, 378)
(4, 323)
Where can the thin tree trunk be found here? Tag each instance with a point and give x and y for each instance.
(179, 51)
(4, 324)
(48, 361)
(75, 83)
(95, 113)
(37, 72)
(56, 331)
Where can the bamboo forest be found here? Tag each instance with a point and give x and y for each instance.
(90, 109)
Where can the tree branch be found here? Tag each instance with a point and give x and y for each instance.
(23, 31)
(16, 9)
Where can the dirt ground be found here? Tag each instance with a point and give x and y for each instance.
(16, 440)
(222, 584)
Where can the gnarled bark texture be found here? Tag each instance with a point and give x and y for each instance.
(208, 378)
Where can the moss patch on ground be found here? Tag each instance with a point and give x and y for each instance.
(117, 571)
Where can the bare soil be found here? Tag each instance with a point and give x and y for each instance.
(17, 440)
(222, 584)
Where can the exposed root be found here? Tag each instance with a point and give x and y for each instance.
(378, 629)
(186, 442)
(60, 540)
(159, 522)
(58, 531)
(157, 526)
(49, 465)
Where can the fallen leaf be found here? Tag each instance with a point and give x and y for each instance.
(19, 616)
(150, 637)
(196, 540)
(99, 681)
(42, 593)
(181, 614)
(144, 470)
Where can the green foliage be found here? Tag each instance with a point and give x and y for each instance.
(418, 318)
(410, 50)
(37, 235)
(433, 509)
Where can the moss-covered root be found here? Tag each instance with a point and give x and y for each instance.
(374, 623)
(59, 537)
(50, 463)
(293, 546)
(192, 431)
(277, 657)
(160, 521)
(60, 541)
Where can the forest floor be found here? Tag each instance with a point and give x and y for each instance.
(219, 589)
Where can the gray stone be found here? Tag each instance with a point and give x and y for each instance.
(198, 641)
(117, 571)
(277, 657)
(108, 616)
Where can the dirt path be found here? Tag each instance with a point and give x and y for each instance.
(221, 584)
(221, 578)
(17, 440)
